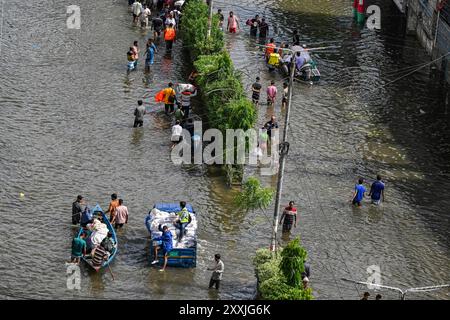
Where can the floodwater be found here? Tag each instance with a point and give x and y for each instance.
(67, 129)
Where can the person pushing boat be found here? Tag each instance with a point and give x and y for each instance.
(76, 210)
(78, 248)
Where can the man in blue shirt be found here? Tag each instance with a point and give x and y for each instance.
(151, 51)
(377, 191)
(358, 195)
(166, 245)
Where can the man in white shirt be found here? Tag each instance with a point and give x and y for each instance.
(171, 20)
(186, 101)
(177, 131)
(305, 54)
(176, 15)
(136, 8)
(144, 17)
(217, 270)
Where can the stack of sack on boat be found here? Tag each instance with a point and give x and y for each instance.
(168, 219)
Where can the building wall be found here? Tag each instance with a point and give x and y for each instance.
(422, 20)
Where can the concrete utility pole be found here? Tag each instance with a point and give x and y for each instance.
(210, 17)
(439, 6)
(284, 150)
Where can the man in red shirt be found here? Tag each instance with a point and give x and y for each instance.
(270, 48)
(289, 217)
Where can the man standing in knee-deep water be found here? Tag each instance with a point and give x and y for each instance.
(136, 53)
(170, 97)
(256, 91)
(112, 206)
(150, 54)
(263, 29)
(289, 217)
(157, 24)
(233, 23)
(170, 37)
(120, 216)
(136, 7)
(271, 93)
(139, 113)
(76, 210)
(358, 194)
(217, 272)
(377, 191)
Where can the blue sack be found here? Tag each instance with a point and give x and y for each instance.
(86, 216)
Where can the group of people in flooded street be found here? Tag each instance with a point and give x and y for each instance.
(164, 23)
(94, 241)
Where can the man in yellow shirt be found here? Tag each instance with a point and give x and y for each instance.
(183, 219)
(169, 99)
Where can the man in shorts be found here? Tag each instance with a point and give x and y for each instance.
(136, 8)
(233, 23)
(376, 193)
(166, 245)
(144, 17)
(157, 24)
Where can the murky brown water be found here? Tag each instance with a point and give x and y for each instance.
(66, 129)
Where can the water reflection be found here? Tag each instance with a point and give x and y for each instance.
(137, 135)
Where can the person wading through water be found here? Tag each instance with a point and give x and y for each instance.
(170, 37)
(76, 210)
(112, 206)
(169, 99)
(150, 54)
(256, 91)
(217, 270)
(139, 113)
(289, 217)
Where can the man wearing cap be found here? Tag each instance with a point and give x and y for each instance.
(76, 210)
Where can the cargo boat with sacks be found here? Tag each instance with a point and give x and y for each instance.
(184, 253)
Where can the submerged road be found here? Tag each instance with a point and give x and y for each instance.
(67, 129)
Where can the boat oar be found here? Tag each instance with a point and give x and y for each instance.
(112, 275)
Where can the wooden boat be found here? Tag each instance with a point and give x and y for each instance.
(98, 212)
(309, 73)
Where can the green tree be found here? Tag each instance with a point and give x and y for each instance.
(293, 257)
(253, 196)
